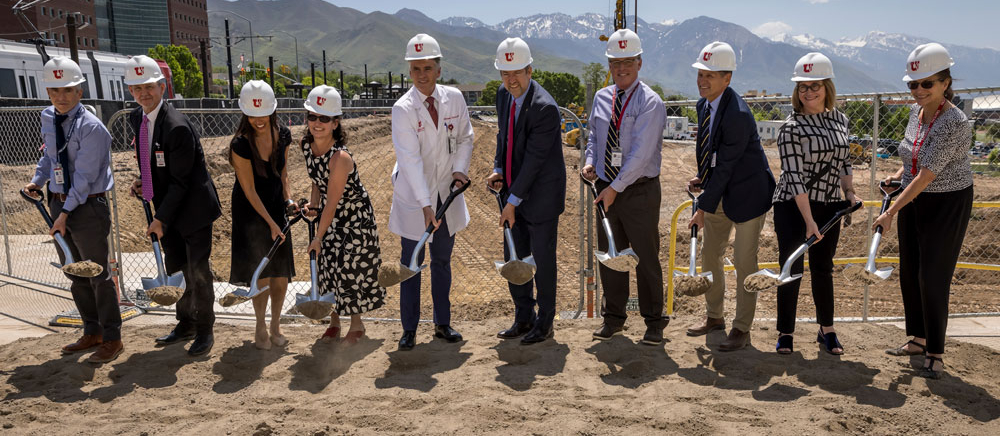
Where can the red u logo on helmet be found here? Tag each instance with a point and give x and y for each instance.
(57, 73)
(706, 56)
(807, 68)
(320, 100)
(509, 56)
(418, 47)
(140, 70)
(256, 102)
(622, 44)
(914, 65)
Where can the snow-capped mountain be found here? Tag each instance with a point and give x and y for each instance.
(556, 26)
(463, 22)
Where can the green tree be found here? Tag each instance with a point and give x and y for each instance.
(489, 96)
(658, 90)
(564, 87)
(594, 75)
(994, 157)
(762, 114)
(187, 78)
(993, 131)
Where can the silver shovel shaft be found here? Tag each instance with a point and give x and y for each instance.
(873, 251)
(65, 249)
(612, 250)
(414, 264)
(313, 275)
(161, 270)
(786, 269)
(509, 236)
(694, 252)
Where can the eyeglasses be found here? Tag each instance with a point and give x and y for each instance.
(926, 84)
(321, 118)
(619, 63)
(814, 87)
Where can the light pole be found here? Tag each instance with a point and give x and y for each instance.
(250, 25)
(298, 75)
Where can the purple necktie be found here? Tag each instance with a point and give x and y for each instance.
(144, 167)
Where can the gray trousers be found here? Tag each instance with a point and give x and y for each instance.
(96, 299)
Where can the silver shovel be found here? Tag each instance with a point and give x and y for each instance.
(517, 271)
(405, 272)
(312, 305)
(624, 260)
(693, 284)
(163, 289)
(242, 295)
(766, 278)
(85, 268)
(869, 273)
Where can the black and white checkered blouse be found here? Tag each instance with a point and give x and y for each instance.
(814, 149)
(944, 152)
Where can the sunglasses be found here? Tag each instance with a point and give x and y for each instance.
(926, 84)
(814, 87)
(321, 118)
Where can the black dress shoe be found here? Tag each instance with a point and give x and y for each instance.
(202, 344)
(409, 340)
(537, 335)
(606, 332)
(515, 331)
(653, 336)
(447, 333)
(175, 336)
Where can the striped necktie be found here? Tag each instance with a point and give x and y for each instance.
(62, 152)
(704, 148)
(611, 171)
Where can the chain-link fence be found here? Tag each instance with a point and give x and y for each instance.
(477, 292)
(874, 138)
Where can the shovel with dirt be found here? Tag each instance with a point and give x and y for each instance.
(84, 268)
(242, 295)
(311, 304)
(517, 271)
(163, 289)
(692, 284)
(868, 273)
(766, 278)
(624, 260)
(390, 275)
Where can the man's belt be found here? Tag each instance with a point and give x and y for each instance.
(62, 197)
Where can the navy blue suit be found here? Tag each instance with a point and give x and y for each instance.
(538, 179)
(741, 177)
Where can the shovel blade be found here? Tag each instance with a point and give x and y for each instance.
(150, 283)
(883, 273)
(405, 273)
(241, 295)
(176, 279)
(312, 309)
(761, 280)
(517, 272)
(625, 261)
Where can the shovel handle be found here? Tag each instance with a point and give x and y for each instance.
(593, 190)
(38, 204)
(451, 197)
(833, 221)
(149, 218)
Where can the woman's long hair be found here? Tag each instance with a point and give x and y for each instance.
(246, 130)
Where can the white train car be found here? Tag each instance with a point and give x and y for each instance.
(21, 72)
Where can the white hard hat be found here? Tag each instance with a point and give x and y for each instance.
(142, 69)
(257, 99)
(813, 66)
(61, 72)
(422, 46)
(624, 43)
(927, 60)
(512, 54)
(324, 100)
(717, 56)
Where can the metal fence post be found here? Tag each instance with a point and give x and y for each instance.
(6, 238)
(873, 188)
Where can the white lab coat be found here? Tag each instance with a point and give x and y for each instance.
(424, 165)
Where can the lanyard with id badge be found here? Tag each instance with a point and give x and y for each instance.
(616, 152)
(58, 173)
(452, 138)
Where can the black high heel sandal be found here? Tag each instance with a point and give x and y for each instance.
(903, 350)
(829, 340)
(784, 345)
(929, 371)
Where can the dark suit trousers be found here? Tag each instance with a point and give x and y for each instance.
(931, 230)
(190, 254)
(86, 235)
(538, 240)
(635, 220)
(409, 290)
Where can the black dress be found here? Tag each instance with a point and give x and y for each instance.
(251, 236)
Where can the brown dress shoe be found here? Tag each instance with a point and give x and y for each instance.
(710, 324)
(737, 340)
(107, 352)
(85, 343)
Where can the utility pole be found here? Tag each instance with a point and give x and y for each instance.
(229, 61)
(270, 70)
(324, 67)
(342, 91)
(206, 74)
(71, 29)
(366, 75)
(312, 72)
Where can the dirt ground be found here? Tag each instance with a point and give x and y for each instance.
(570, 385)
(478, 292)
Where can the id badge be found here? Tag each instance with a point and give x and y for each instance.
(452, 141)
(713, 160)
(616, 157)
(58, 175)
(161, 160)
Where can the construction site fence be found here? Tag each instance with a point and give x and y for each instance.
(878, 121)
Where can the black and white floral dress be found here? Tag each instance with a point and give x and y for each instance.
(350, 256)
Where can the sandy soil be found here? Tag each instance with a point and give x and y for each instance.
(571, 385)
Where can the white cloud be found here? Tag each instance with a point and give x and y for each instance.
(771, 29)
(669, 22)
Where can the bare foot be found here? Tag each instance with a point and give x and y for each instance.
(278, 339)
(261, 340)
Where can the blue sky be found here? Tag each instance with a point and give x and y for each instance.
(966, 22)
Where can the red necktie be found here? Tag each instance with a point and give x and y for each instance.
(432, 111)
(510, 141)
